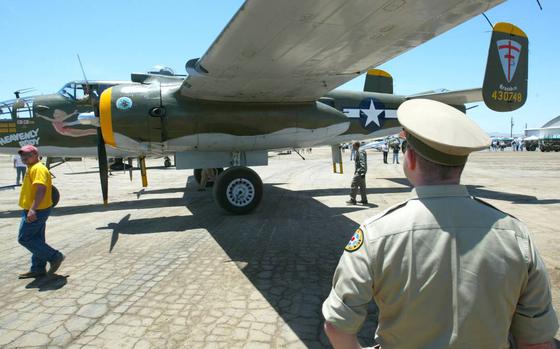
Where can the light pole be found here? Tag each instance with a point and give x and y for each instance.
(511, 128)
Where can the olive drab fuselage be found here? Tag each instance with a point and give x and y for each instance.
(155, 119)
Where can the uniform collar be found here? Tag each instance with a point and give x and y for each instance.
(437, 191)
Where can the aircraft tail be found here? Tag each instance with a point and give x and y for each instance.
(505, 80)
(378, 80)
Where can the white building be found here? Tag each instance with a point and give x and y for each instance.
(549, 130)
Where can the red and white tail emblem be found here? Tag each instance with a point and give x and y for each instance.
(509, 52)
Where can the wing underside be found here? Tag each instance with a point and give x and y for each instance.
(297, 50)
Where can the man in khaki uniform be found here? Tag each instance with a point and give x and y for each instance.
(445, 269)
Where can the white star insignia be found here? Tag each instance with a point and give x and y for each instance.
(372, 114)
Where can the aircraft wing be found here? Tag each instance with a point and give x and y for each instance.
(297, 50)
(458, 97)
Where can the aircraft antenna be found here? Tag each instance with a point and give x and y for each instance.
(539, 3)
(491, 25)
(83, 72)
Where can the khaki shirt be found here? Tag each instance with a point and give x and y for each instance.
(446, 271)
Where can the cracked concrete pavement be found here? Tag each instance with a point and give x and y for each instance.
(164, 267)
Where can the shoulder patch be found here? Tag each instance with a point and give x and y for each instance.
(356, 241)
(492, 206)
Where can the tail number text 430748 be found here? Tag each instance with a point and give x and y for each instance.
(507, 96)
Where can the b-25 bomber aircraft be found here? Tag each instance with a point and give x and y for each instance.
(267, 82)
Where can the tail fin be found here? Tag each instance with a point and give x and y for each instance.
(378, 80)
(505, 80)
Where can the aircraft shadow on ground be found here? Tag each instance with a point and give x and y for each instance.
(191, 197)
(98, 207)
(289, 246)
(148, 226)
(484, 193)
(144, 191)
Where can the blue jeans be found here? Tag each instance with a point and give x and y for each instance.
(20, 174)
(32, 237)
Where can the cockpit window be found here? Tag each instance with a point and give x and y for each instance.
(74, 90)
(68, 91)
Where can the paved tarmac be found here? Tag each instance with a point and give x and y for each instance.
(164, 267)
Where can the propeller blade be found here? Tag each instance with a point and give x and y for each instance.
(103, 168)
(101, 151)
(102, 159)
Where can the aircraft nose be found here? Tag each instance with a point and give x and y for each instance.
(105, 117)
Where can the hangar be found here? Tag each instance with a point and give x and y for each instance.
(549, 130)
(548, 135)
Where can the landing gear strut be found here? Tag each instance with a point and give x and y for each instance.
(238, 190)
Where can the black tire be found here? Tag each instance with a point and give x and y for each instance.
(55, 196)
(209, 183)
(238, 190)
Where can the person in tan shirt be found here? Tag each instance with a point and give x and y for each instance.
(445, 269)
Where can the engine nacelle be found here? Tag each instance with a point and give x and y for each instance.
(132, 117)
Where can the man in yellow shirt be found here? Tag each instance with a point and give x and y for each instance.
(35, 199)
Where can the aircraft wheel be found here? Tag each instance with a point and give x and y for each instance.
(211, 181)
(238, 190)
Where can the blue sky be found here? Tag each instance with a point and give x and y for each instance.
(114, 38)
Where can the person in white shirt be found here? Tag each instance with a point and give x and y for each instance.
(20, 168)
